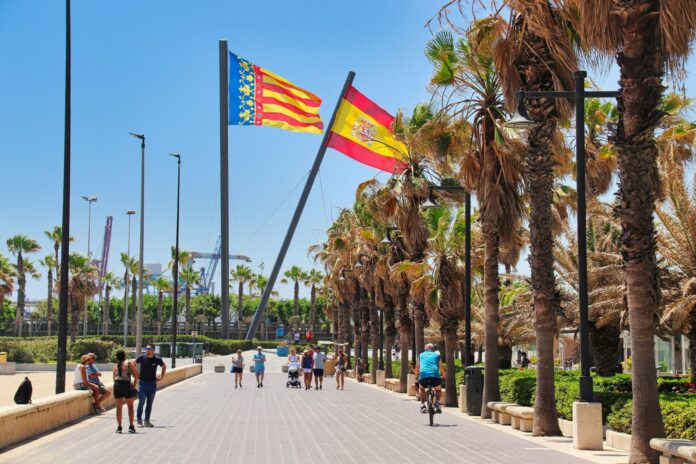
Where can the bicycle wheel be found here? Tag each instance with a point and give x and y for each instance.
(431, 405)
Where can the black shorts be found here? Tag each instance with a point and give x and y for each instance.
(237, 370)
(123, 389)
(319, 372)
(430, 382)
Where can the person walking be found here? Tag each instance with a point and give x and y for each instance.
(309, 335)
(318, 359)
(238, 368)
(340, 359)
(307, 363)
(259, 366)
(296, 337)
(124, 390)
(147, 386)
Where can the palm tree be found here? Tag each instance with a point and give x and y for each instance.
(19, 245)
(493, 167)
(82, 285)
(296, 275)
(162, 285)
(131, 268)
(647, 37)
(190, 277)
(313, 279)
(7, 279)
(50, 264)
(110, 280)
(242, 275)
(56, 236)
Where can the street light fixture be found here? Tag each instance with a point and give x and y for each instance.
(579, 95)
(139, 326)
(175, 306)
(127, 284)
(387, 238)
(520, 120)
(89, 199)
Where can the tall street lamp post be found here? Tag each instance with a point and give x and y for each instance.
(139, 323)
(89, 199)
(431, 203)
(175, 307)
(521, 121)
(127, 285)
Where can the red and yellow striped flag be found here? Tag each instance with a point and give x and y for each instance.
(261, 98)
(363, 131)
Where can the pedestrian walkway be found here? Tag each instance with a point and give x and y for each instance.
(205, 420)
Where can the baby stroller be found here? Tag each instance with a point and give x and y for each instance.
(293, 376)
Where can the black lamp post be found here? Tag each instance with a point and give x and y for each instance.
(175, 297)
(430, 202)
(520, 121)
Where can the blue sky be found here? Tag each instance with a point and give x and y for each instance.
(151, 67)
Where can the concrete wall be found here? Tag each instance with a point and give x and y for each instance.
(22, 422)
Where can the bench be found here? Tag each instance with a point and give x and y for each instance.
(674, 451)
(498, 413)
(392, 385)
(521, 417)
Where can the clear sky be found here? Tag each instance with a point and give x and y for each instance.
(152, 67)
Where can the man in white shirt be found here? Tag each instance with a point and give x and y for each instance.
(318, 357)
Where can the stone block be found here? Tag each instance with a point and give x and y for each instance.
(587, 426)
(8, 368)
(220, 368)
(462, 398)
(619, 440)
(381, 377)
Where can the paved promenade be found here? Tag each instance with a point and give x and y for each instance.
(205, 420)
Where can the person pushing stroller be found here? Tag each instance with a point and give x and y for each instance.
(293, 370)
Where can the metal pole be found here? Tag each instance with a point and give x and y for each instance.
(224, 194)
(175, 306)
(467, 282)
(381, 340)
(65, 239)
(89, 255)
(127, 285)
(139, 329)
(296, 216)
(585, 379)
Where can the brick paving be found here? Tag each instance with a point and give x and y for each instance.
(205, 420)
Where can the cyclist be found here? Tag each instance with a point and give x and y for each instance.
(430, 372)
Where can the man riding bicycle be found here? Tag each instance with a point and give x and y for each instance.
(430, 372)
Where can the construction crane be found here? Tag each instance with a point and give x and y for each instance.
(102, 264)
(208, 272)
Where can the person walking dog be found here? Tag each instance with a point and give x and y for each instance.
(147, 387)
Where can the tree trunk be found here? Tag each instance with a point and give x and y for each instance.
(374, 335)
(491, 388)
(479, 354)
(356, 331)
(450, 336)
(504, 357)
(419, 320)
(240, 309)
(296, 306)
(313, 307)
(106, 317)
(605, 346)
(405, 329)
(364, 330)
(692, 347)
(539, 161)
(389, 334)
(49, 302)
(641, 66)
(160, 297)
(345, 322)
(187, 306)
(22, 280)
(74, 318)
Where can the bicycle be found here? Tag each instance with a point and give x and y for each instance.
(429, 385)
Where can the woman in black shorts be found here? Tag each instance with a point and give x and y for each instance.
(125, 385)
(238, 368)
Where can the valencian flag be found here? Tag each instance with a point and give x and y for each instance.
(261, 98)
(363, 131)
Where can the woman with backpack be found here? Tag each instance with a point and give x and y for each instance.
(125, 388)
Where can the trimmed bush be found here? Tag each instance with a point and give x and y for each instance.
(105, 350)
(677, 413)
(19, 355)
(518, 387)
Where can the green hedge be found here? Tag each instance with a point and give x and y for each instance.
(677, 413)
(517, 386)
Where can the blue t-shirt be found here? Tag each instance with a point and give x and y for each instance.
(429, 365)
(92, 374)
(258, 361)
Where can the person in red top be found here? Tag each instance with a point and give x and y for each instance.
(309, 335)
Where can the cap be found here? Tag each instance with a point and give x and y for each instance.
(259, 347)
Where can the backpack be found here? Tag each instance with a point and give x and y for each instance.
(23, 395)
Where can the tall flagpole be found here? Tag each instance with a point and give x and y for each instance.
(224, 195)
(298, 212)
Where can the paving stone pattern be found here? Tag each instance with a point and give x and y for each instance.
(205, 420)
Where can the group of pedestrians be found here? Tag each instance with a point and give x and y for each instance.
(131, 378)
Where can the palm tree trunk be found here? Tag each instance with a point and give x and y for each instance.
(313, 307)
(74, 318)
(296, 299)
(692, 347)
(604, 343)
(160, 297)
(540, 164)
(450, 336)
(374, 335)
(419, 321)
(107, 315)
(187, 306)
(491, 387)
(22, 280)
(640, 90)
(345, 321)
(240, 309)
(364, 330)
(49, 302)
(405, 329)
(389, 334)
(356, 330)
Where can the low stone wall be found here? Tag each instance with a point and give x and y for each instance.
(618, 440)
(22, 422)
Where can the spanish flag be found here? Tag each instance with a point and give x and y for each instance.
(261, 98)
(363, 131)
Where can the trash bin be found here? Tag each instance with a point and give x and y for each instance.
(163, 349)
(281, 351)
(183, 350)
(3, 357)
(473, 376)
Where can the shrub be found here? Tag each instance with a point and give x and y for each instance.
(19, 355)
(619, 383)
(105, 350)
(673, 385)
(677, 413)
(518, 387)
